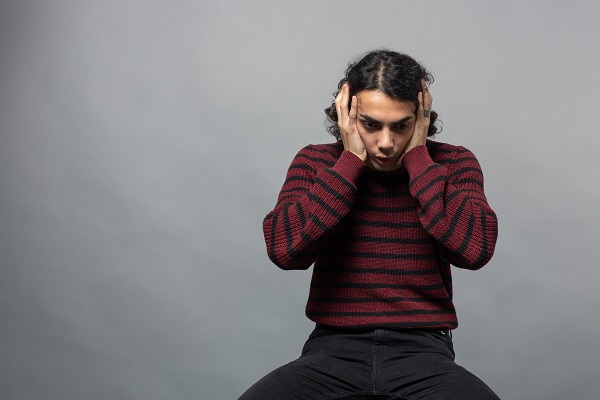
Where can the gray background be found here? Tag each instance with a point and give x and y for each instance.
(142, 143)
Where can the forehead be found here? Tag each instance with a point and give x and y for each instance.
(382, 107)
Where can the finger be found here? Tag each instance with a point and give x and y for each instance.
(353, 111)
(343, 105)
(420, 111)
(426, 99)
(338, 100)
(424, 109)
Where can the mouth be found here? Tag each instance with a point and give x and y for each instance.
(384, 160)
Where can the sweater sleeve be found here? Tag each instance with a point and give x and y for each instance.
(452, 206)
(313, 199)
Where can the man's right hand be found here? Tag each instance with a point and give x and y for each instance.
(347, 123)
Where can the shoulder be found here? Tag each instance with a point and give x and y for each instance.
(445, 153)
(320, 154)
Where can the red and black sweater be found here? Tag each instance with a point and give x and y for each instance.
(382, 242)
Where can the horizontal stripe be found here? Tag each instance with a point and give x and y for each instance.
(378, 313)
(440, 149)
(299, 190)
(332, 211)
(328, 162)
(384, 224)
(416, 178)
(370, 300)
(333, 192)
(467, 169)
(331, 150)
(342, 180)
(385, 195)
(364, 207)
(303, 167)
(384, 239)
(297, 178)
(458, 160)
(352, 285)
(436, 324)
(434, 198)
(429, 184)
(383, 256)
(380, 271)
(315, 220)
(468, 180)
(288, 196)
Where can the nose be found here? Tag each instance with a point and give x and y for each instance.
(385, 142)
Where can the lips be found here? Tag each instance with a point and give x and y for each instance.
(384, 160)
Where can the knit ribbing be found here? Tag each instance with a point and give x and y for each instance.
(382, 242)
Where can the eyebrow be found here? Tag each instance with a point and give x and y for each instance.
(369, 118)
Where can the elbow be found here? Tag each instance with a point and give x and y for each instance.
(475, 265)
(479, 256)
(286, 258)
(483, 251)
(476, 255)
(282, 252)
(289, 264)
(469, 263)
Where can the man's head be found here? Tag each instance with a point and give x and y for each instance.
(394, 74)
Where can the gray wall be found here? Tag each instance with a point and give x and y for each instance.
(142, 143)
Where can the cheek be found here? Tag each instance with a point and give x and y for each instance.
(400, 144)
(367, 138)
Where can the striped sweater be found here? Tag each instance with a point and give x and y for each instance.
(382, 242)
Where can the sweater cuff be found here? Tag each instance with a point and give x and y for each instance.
(417, 160)
(349, 165)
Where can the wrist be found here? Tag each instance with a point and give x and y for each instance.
(362, 156)
(417, 160)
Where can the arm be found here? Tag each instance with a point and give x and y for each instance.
(452, 206)
(313, 199)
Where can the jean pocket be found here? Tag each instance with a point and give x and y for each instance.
(442, 338)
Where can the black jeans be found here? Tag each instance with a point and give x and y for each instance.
(372, 364)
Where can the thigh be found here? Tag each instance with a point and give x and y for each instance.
(420, 366)
(452, 382)
(332, 366)
(311, 377)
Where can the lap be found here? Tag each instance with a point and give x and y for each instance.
(337, 364)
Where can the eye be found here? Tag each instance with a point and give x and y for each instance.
(401, 127)
(369, 125)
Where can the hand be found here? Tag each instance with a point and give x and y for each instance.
(419, 135)
(347, 123)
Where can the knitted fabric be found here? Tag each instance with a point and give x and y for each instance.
(382, 242)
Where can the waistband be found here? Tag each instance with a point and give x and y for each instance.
(445, 332)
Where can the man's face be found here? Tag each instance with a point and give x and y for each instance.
(385, 126)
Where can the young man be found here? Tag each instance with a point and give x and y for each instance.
(382, 213)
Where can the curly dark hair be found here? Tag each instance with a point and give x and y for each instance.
(396, 74)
